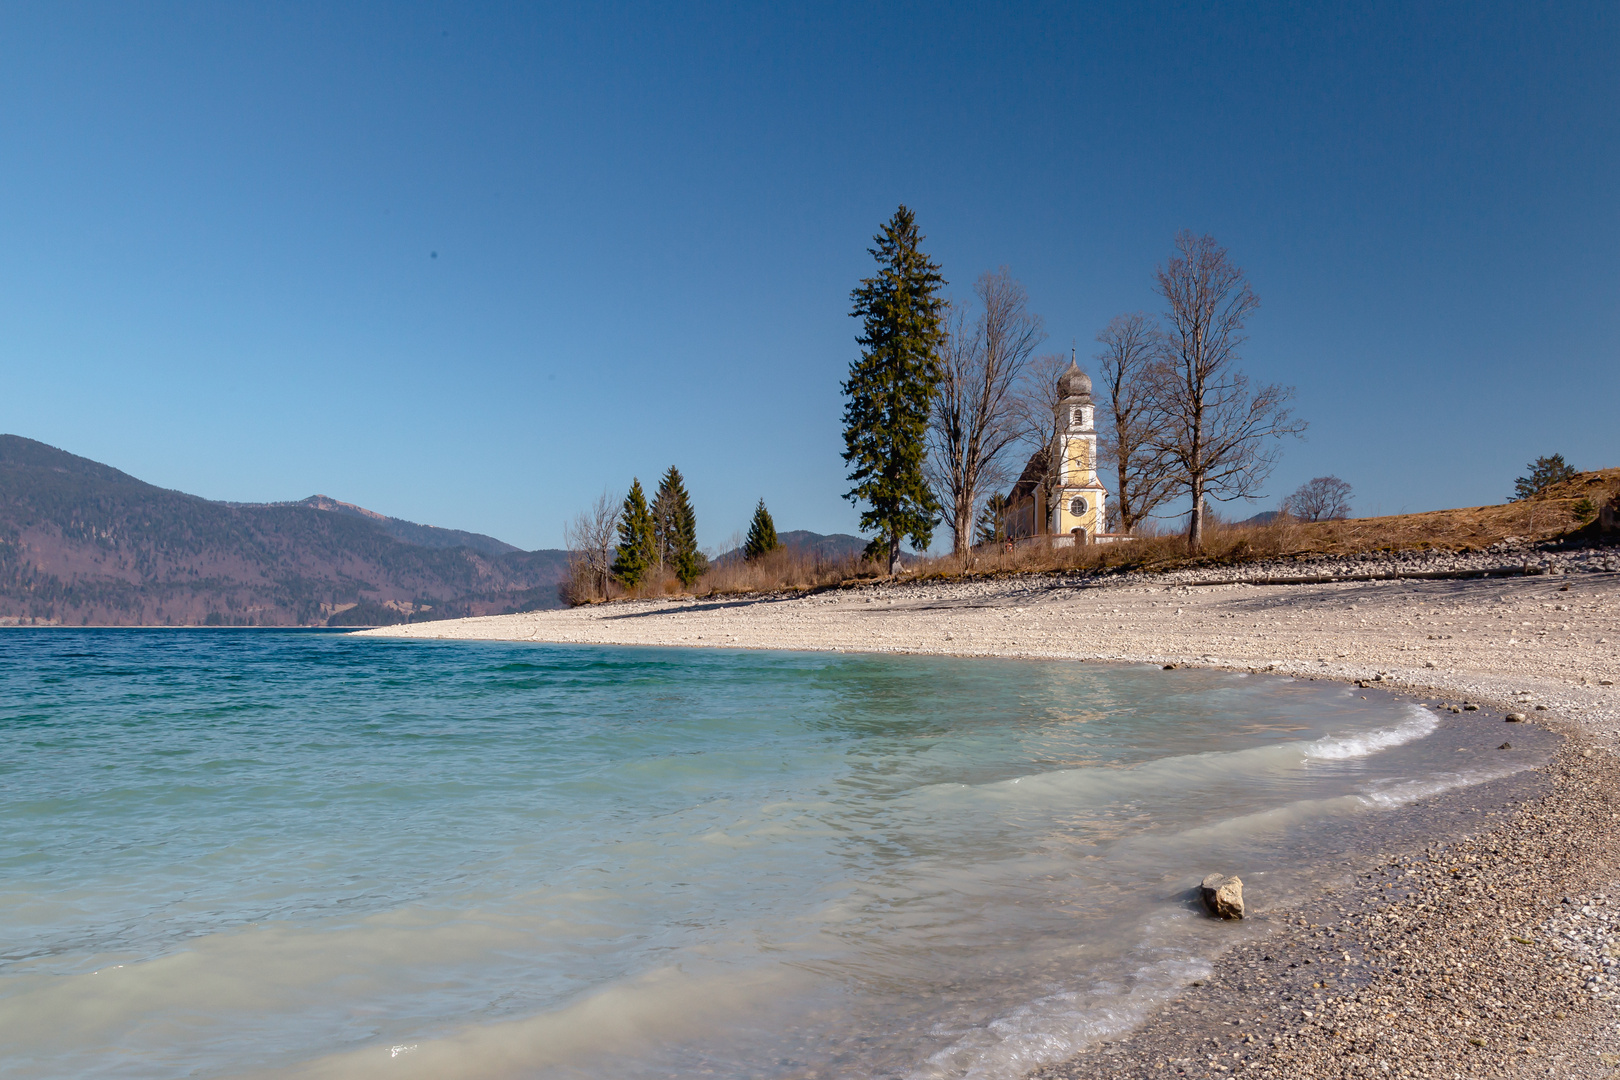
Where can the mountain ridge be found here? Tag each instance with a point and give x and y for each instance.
(83, 543)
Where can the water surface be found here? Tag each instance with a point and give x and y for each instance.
(232, 853)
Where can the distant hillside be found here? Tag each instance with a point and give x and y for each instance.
(829, 546)
(410, 532)
(84, 544)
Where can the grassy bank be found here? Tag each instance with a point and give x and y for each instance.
(1559, 515)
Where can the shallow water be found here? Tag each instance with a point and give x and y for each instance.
(240, 853)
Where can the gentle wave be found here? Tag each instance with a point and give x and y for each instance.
(1367, 743)
(1054, 1028)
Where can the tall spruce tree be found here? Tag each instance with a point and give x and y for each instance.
(637, 552)
(663, 517)
(761, 535)
(890, 390)
(676, 524)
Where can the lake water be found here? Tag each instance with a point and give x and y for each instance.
(246, 853)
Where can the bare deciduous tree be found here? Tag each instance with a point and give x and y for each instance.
(1035, 409)
(1129, 440)
(1220, 433)
(976, 416)
(592, 539)
(1325, 498)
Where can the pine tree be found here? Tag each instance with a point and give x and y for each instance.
(676, 524)
(761, 534)
(1544, 473)
(664, 513)
(637, 551)
(890, 390)
(992, 527)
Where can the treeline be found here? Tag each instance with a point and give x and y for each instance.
(635, 544)
(946, 401)
(636, 547)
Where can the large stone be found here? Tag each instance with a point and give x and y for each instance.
(1223, 896)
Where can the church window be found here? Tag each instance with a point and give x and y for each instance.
(1078, 507)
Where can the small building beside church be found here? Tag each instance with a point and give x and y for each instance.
(1058, 495)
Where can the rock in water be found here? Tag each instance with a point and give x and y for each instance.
(1223, 896)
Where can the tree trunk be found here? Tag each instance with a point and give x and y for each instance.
(1195, 526)
(964, 529)
(894, 551)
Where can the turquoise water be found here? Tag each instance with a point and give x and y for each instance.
(262, 853)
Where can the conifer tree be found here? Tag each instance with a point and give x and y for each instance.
(992, 526)
(676, 525)
(890, 390)
(663, 517)
(761, 534)
(637, 551)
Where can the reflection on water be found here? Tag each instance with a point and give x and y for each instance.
(243, 853)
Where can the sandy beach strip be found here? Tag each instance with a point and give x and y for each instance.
(1486, 952)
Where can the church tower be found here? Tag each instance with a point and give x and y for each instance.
(1078, 505)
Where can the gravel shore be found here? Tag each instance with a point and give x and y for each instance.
(1478, 944)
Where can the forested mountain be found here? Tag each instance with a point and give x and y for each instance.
(84, 544)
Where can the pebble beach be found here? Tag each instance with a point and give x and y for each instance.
(1483, 942)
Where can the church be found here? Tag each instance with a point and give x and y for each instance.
(1058, 495)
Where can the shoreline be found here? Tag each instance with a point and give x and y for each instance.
(1467, 997)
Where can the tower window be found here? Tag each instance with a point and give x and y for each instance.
(1078, 507)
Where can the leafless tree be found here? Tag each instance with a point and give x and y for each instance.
(592, 538)
(1035, 408)
(976, 415)
(1220, 433)
(1323, 499)
(1129, 440)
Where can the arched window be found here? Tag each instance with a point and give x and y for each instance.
(1078, 507)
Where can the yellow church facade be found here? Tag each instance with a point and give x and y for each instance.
(1059, 495)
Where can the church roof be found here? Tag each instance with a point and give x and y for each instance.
(1074, 382)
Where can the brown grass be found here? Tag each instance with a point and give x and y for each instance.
(784, 568)
(1548, 517)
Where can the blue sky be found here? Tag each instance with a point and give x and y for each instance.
(472, 264)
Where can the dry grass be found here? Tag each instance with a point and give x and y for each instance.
(784, 568)
(1549, 517)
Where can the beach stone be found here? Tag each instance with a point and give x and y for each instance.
(1515, 717)
(1223, 896)
(1470, 707)
(1505, 746)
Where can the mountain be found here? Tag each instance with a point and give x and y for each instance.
(410, 532)
(84, 544)
(828, 546)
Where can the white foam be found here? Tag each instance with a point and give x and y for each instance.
(1056, 1027)
(1401, 793)
(1342, 747)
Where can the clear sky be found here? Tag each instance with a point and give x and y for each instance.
(472, 264)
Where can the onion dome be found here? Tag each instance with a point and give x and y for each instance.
(1074, 383)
